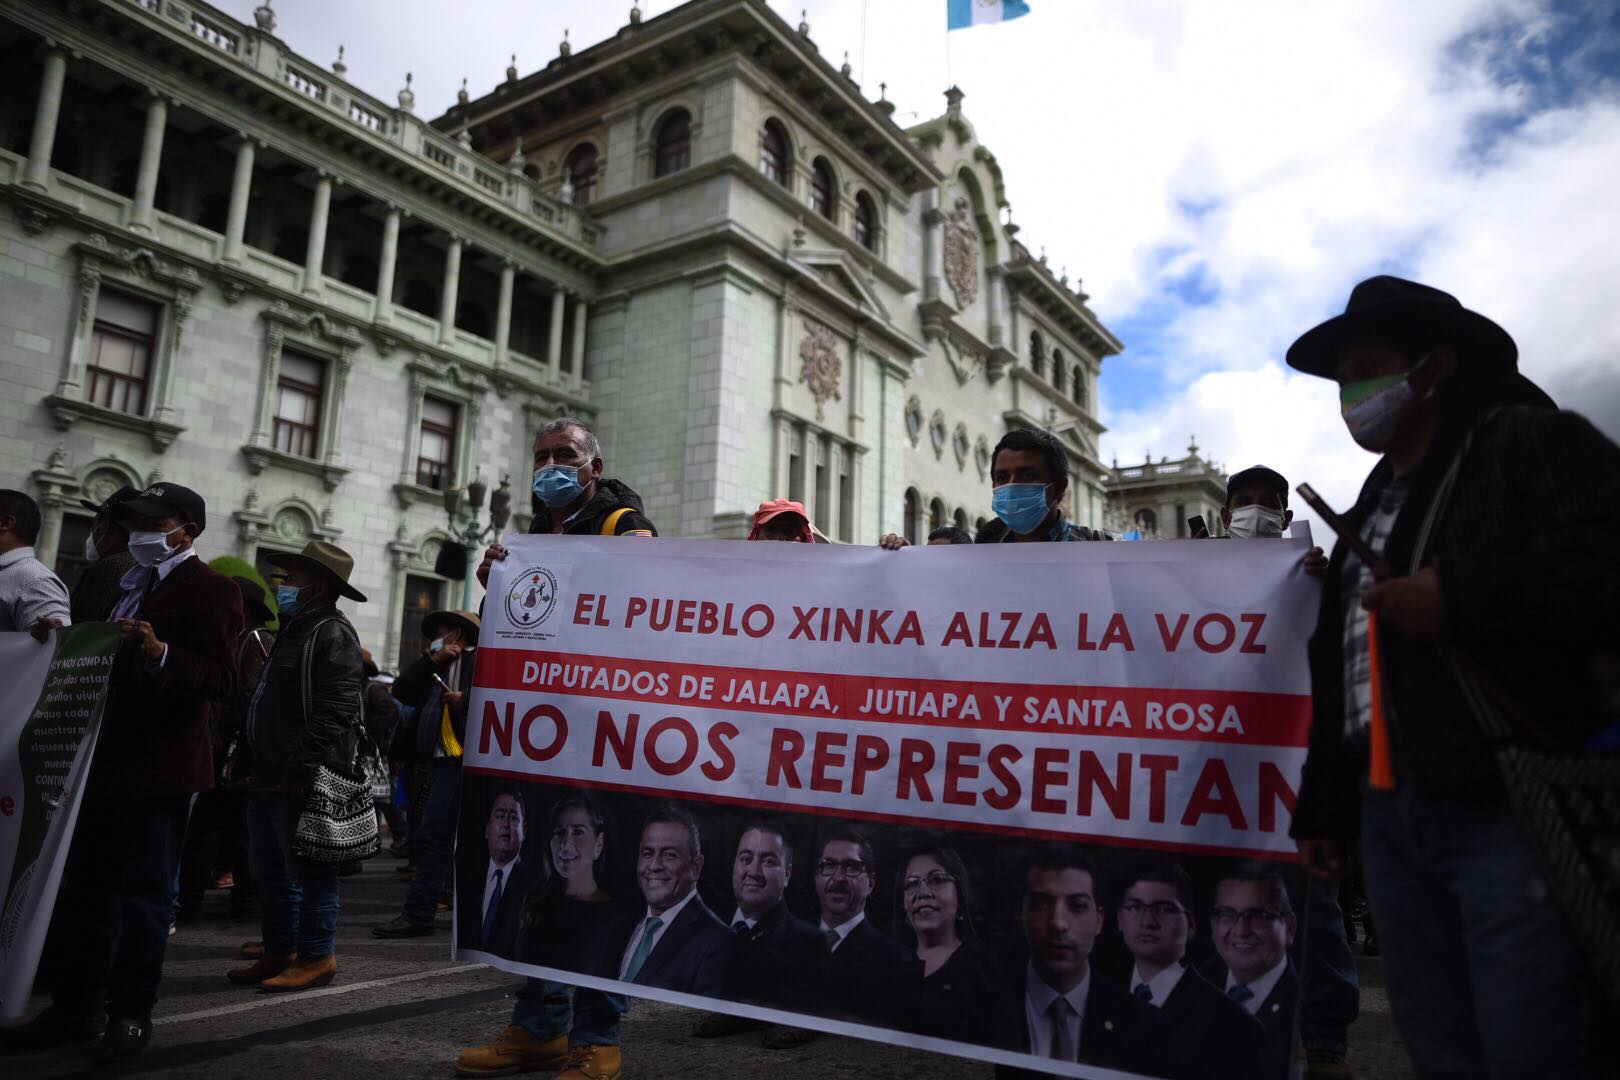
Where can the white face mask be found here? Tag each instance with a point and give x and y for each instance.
(91, 552)
(150, 548)
(1256, 522)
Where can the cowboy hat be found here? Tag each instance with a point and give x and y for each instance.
(253, 599)
(1392, 305)
(327, 560)
(468, 622)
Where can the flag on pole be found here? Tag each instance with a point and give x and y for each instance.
(966, 13)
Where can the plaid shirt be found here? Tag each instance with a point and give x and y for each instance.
(29, 591)
(1357, 579)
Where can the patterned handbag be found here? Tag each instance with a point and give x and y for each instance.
(338, 822)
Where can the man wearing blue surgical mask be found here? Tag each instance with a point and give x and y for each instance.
(1029, 475)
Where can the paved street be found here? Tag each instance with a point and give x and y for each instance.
(402, 1008)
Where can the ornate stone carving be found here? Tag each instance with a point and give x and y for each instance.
(960, 445)
(914, 419)
(936, 432)
(821, 368)
(962, 254)
(981, 456)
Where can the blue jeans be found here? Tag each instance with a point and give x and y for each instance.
(1332, 991)
(592, 1019)
(434, 840)
(1484, 975)
(109, 930)
(299, 897)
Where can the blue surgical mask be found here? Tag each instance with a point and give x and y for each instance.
(1021, 507)
(288, 600)
(438, 643)
(557, 485)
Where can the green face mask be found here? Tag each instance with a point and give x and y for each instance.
(1353, 394)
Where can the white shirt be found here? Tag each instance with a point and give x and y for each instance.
(1262, 986)
(489, 882)
(1038, 998)
(740, 917)
(134, 585)
(842, 929)
(668, 916)
(1161, 984)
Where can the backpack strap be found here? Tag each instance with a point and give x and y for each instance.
(611, 524)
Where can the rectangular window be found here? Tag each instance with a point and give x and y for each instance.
(796, 465)
(70, 560)
(823, 482)
(123, 340)
(423, 596)
(298, 405)
(436, 456)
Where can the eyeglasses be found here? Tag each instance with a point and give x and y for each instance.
(1164, 909)
(934, 879)
(1226, 916)
(850, 867)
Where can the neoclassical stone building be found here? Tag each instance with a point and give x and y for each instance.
(225, 265)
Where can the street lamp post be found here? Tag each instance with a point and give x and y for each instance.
(473, 534)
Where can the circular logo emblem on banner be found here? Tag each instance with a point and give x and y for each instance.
(531, 598)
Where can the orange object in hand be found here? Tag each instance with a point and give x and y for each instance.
(1380, 767)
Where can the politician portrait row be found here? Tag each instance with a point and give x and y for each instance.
(1148, 962)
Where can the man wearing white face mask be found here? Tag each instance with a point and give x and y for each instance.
(107, 549)
(1492, 519)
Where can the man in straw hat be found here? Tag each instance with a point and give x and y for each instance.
(305, 713)
(1517, 578)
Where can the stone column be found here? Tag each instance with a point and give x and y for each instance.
(315, 254)
(383, 310)
(241, 191)
(503, 311)
(45, 113)
(812, 450)
(577, 360)
(784, 459)
(554, 344)
(452, 282)
(413, 429)
(830, 513)
(146, 176)
(992, 301)
(934, 245)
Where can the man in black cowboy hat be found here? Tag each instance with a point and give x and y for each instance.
(305, 713)
(1518, 578)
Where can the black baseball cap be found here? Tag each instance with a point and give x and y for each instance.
(123, 494)
(1258, 476)
(163, 500)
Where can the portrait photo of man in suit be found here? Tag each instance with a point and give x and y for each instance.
(493, 925)
(1063, 1008)
(678, 944)
(1254, 925)
(1210, 1037)
(860, 964)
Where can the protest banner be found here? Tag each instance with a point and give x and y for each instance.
(50, 712)
(947, 797)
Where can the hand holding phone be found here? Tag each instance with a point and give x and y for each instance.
(1196, 527)
(1380, 569)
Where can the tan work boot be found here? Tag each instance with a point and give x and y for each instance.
(265, 967)
(302, 975)
(515, 1050)
(592, 1063)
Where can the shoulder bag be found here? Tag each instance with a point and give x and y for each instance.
(338, 822)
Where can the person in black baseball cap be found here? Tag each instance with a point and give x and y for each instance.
(1490, 518)
(106, 551)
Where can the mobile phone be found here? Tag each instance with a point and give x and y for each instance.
(1333, 521)
(1196, 527)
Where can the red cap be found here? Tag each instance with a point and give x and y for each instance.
(777, 507)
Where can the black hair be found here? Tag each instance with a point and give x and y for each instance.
(1041, 441)
(1164, 872)
(954, 866)
(1264, 873)
(1064, 857)
(952, 533)
(847, 835)
(775, 828)
(670, 814)
(24, 510)
(510, 791)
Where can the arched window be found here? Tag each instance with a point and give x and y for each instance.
(909, 524)
(1079, 384)
(672, 147)
(1037, 353)
(865, 222)
(823, 189)
(960, 519)
(1057, 369)
(581, 170)
(774, 154)
(936, 515)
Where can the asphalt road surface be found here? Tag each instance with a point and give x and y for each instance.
(403, 1009)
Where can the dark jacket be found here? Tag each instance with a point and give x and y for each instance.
(861, 979)
(508, 913)
(1211, 1037)
(98, 590)
(1116, 1031)
(1526, 560)
(1276, 1016)
(610, 495)
(155, 738)
(559, 931)
(959, 1001)
(298, 725)
(690, 955)
(417, 737)
(382, 715)
(770, 961)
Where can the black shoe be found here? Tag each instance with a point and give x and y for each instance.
(53, 1027)
(402, 928)
(399, 851)
(124, 1038)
